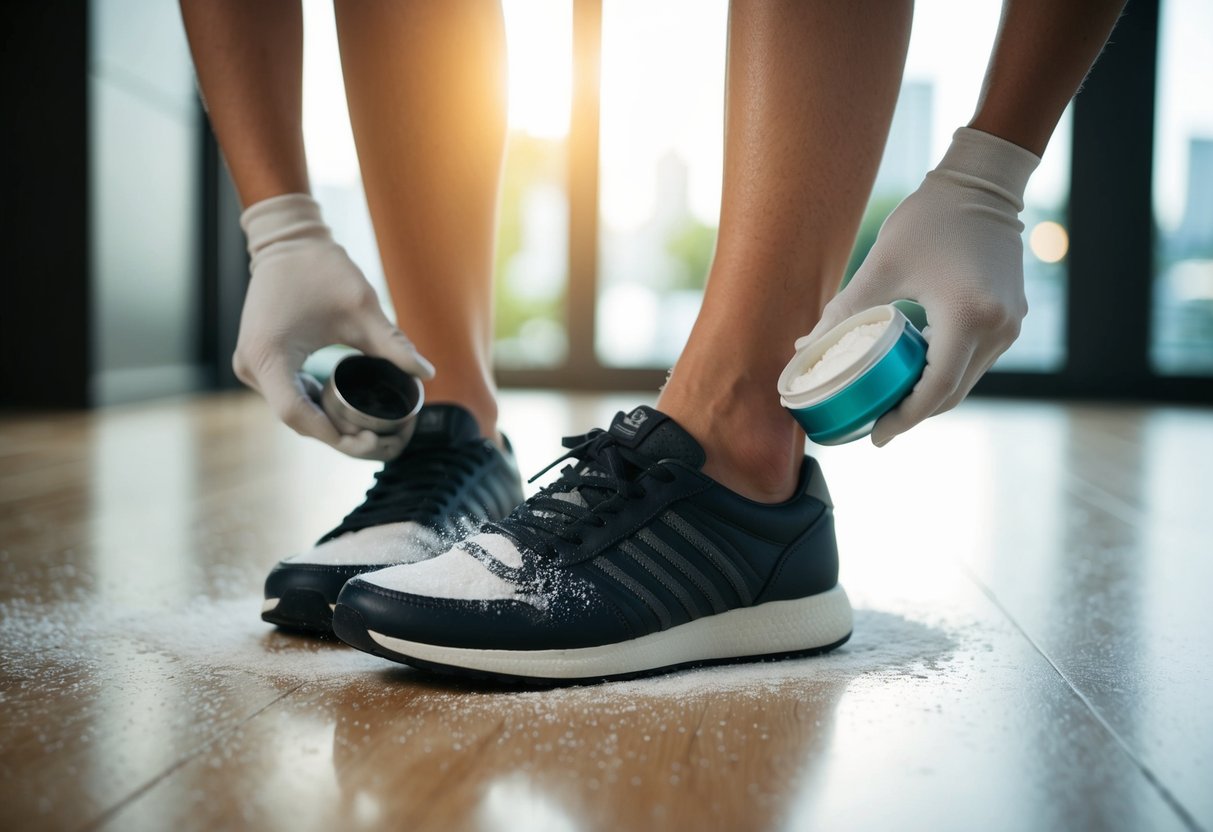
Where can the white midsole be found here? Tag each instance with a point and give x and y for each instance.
(773, 627)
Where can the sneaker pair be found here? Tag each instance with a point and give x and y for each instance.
(633, 562)
(446, 482)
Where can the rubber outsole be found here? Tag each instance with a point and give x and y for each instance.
(302, 610)
(349, 626)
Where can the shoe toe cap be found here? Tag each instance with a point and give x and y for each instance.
(455, 600)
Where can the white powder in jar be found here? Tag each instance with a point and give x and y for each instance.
(839, 358)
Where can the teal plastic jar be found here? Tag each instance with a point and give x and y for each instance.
(845, 405)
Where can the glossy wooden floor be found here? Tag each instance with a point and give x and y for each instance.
(1033, 645)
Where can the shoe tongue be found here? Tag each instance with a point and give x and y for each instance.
(656, 435)
(444, 424)
(650, 433)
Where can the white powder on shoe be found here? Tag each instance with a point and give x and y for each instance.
(406, 542)
(454, 574)
(500, 547)
(840, 357)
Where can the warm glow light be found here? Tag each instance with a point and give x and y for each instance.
(1049, 241)
(539, 35)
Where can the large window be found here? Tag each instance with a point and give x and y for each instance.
(611, 190)
(532, 238)
(660, 169)
(532, 243)
(1182, 326)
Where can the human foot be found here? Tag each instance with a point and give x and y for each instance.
(753, 445)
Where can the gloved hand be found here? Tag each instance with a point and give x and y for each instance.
(306, 293)
(953, 246)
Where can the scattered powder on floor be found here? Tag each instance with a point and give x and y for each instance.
(43, 641)
(182, 676)
(50, 644)
(884, 646)
(838, 358)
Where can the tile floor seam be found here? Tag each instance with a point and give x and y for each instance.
(1167, 796)
(113, 811)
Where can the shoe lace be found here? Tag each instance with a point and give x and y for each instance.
(607, 478)
(417, 485)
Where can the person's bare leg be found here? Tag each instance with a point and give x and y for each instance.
(810, 94)
(427, 96)
(249, 60)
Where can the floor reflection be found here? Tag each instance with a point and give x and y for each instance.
(1031, 651)
(726, 746)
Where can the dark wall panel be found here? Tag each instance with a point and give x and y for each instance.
(44, 311)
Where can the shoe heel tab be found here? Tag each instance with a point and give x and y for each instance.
(813, 482)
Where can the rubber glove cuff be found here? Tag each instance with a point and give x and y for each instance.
(988, 162)
(283, 219)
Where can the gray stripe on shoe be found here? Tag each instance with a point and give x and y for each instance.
(664, 578)
(636, 588)
(709, 550)
(684, 566)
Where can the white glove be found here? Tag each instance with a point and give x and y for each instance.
(306, 293)
(953, 246)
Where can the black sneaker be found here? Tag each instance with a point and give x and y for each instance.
(448, 481)
(632, 563)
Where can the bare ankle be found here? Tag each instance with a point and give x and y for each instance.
(752, 448)
(763, 474)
